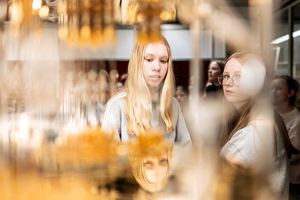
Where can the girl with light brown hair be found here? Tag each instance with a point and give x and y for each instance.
(255, 139)
(147, 101)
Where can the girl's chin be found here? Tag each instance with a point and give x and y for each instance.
(232, 99)
(154, 86)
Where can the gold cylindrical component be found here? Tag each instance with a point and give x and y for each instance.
(87, 22)
(148, 19)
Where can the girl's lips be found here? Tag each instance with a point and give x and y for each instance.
(156, 77)
(229, 92)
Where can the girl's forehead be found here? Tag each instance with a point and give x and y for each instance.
(156, 48)
(155, 157)
(233, 65)
(279, 81)
(214, 64)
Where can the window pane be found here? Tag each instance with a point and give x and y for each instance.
(296, 36)
(280, 44)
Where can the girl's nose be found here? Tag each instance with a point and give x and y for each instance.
(156, 66)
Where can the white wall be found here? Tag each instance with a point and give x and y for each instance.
(45, 45)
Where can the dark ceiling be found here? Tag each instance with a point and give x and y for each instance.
(238, 3)
(242, 5)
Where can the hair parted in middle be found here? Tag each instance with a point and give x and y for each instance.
(154, 145)
(139, 101)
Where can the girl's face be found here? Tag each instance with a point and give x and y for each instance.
(181, 96)
(155, 64)
(280, 91)
(231, 83)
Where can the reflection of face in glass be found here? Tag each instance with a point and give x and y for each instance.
(150, 157)
(152, 171)
(181, 95)
(156, 168)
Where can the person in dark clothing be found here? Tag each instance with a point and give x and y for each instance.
(213, 87)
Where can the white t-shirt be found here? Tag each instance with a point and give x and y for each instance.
(292, 123)
(255, 146)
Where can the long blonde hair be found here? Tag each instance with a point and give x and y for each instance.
(139, 101)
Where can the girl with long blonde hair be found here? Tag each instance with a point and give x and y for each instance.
(147, 101)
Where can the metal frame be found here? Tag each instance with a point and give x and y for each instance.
(291, 40)
(289, 6)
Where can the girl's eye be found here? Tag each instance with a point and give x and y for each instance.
(148, 165)
(148, 59)
(226, 77)
(164, 61)
(236, 77)
(163, 162)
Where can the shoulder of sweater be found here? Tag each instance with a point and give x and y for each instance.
(293, 113)
(296, 112)
(175, 103)
(116, 98)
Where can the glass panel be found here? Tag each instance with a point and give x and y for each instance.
(280, 44)
(296, 36)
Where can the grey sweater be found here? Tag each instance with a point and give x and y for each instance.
(115, 119)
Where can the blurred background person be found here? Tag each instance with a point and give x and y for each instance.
(182, 95)
(89, 104)
(285, 90)
(250, 132)
(123, 78)
(103, 94)
(213, 87)
(115, 85)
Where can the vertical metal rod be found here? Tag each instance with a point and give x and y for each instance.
(195, 65)
(291, 41)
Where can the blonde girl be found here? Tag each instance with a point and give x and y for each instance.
(147, 101)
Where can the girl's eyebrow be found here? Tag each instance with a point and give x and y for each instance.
(149, 54)
(163, 159)
(236, 72)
